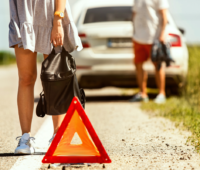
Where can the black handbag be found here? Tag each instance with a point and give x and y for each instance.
(161, 53)
(59, 83)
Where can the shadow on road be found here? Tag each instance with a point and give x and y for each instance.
(14, 155)
(108, 98)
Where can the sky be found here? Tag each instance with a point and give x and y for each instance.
(186, 14)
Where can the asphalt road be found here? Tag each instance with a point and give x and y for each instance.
(9, 121)
(132, 139)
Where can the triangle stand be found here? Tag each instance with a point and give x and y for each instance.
(58, 151)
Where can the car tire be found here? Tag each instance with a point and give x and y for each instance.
(176, 91)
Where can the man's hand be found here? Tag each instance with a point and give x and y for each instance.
(57, 33)
(133, 16)
(162, 38)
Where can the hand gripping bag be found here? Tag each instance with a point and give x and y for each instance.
(161, 53)
(59, 83)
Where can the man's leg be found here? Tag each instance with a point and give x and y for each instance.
(141, 78)
(160, 79)
(141, 55)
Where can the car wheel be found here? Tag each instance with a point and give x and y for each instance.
(176, 91)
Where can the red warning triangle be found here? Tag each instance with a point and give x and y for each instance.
(63, 151)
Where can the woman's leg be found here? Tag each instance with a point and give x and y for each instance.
(57, 120)
(26, 63)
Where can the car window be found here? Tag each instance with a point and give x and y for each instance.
(107, 14)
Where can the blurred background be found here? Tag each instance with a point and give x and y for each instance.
(185, 13)
(106, 62)
(102, 53)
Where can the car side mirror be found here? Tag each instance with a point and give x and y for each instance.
(182, 30)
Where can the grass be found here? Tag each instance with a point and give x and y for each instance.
(6, 58)
(184, 110)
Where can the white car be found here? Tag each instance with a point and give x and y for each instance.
(106, 31)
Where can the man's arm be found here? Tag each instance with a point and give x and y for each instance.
(133, 16)
(164, 21)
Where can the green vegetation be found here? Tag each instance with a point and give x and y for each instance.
(185, 110)
(6, 58)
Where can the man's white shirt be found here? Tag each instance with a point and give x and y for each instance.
(147, 20)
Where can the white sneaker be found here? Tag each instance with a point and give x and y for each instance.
(51, 139)
(160, 99)
(25, 145)
(138, 98)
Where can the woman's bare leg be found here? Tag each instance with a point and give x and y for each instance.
(26, 63)
(57, 120)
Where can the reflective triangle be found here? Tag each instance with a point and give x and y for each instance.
(65, 148)
(62, 150)
(76, 140)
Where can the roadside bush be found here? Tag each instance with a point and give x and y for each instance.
(184, 111)
(193, 87)
(6, 58)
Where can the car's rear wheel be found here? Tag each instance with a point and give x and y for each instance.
(176, 91)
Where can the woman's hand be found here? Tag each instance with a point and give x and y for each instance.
(57, 33)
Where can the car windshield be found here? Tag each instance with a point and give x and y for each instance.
(107, 14)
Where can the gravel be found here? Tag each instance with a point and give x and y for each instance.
(135, 141)
(132, 139)
(9, 121)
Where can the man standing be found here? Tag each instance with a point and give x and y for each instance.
(150, 20)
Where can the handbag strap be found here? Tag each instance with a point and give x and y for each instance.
(71, 58)
(42, 97)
